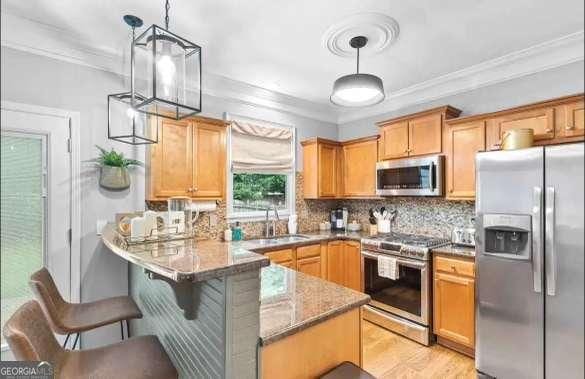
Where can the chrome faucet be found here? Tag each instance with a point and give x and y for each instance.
(270, 225)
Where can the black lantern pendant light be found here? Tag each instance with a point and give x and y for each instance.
(358, 90)
(125, 123)
(166, 72)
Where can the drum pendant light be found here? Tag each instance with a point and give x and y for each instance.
(167, 72)
(358, 90)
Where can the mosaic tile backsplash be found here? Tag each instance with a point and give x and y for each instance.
(420, 215)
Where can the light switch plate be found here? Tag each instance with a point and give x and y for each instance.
(100, 225)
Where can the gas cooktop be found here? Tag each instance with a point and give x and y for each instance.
(406, 245)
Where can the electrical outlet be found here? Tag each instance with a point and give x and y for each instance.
(100, 225)
(212, 219)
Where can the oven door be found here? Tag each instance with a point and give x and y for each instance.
(410, 177)
(408, 296)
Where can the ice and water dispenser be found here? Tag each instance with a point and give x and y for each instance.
(507, 236)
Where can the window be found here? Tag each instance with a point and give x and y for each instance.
(261, 172)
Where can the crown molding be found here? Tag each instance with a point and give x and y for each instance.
(548, 55)
(47, 40)
(58, 43)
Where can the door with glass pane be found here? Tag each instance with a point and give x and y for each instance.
(35, 208)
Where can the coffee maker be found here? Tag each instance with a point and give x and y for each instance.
(339, 218)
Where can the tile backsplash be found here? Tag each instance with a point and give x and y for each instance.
(422, 215)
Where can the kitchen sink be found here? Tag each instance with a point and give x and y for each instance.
(291, 238)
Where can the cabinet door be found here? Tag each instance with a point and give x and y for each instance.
(171, 160)
(424, 135)
(283, 257)
(353, 265)
(454, 308)
(311, 171)
(572, 122)
(463, 142)
(394, 140)
(327, 170)
(310, 266)
(335, 263)
(359, 168)
(540, 120)
(209, 160)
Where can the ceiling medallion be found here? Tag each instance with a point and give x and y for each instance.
(380, 30)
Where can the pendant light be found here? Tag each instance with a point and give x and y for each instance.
(125, 123)
(358, 90)
(166, 72)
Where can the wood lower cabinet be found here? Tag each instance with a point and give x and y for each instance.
(310, 266)
(353, 265)
(454, 302)
(284, 257)
(462, 143)
(335, 263)
(188, 160)
(359, 167)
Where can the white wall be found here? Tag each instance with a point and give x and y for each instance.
(38, 80)
(566, 80)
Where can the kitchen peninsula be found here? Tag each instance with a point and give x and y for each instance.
(214, 304)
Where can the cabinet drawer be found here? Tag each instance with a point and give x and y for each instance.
(455, 266)
(308, 251)
(279, 256)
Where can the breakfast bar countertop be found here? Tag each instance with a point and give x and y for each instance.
(185, 260)
(291, 301)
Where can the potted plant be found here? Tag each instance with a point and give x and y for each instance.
(114, 173)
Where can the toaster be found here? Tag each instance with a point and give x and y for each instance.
(463, 236)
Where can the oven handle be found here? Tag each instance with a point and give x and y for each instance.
(403, 262)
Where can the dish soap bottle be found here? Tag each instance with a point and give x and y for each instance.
(237, 232)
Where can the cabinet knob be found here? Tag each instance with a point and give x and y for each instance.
(194, 189)
(549, 130)
(189, 189)
(453, 268)
(570, 127)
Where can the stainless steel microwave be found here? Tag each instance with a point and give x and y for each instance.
(410, 177)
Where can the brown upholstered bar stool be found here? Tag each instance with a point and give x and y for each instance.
(347, 370)
(69, 318)
(30, 338)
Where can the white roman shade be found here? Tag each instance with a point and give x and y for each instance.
(261, 148)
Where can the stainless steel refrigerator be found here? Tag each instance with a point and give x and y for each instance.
(529, 295)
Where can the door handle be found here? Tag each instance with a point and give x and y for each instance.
(537, 239)
(551, 259)
(431, 178)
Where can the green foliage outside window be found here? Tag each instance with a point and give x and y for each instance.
(256, 187)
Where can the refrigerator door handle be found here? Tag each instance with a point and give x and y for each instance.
(536, 239)
(551, 263)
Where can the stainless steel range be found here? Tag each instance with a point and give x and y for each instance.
(402, 305)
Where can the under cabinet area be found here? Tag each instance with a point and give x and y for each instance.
(337, 261)
(454, 302)
(188, 160)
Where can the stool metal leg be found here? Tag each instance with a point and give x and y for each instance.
(127, 328)
(75, 342)
(122, 329)
(66, 340)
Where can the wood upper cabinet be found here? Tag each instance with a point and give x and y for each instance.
(416, 134)
(359, 167)
(188, 160)
(570, 120)
(335, 263)
(541, 120)
(209, 148)
(462, 143)
(424, 135)
(321, 168)
(394, 140)
(353, 265)
(454, 300)
(171, 160)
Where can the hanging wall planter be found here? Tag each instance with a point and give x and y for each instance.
(114, 175)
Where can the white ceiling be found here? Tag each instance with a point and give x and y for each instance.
(277, 45)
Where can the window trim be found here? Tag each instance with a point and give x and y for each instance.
(290, 182)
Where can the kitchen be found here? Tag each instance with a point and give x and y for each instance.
(268, 219)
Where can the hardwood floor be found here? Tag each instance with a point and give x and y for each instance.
(387, 356)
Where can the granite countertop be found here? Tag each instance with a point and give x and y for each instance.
(185, 260)
(455, 250)
(292, 301)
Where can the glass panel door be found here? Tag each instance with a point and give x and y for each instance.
(22, 214)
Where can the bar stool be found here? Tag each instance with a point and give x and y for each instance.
(69, 318)
(347, 370)
(31, 339)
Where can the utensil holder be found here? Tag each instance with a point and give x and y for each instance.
(383, 226)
